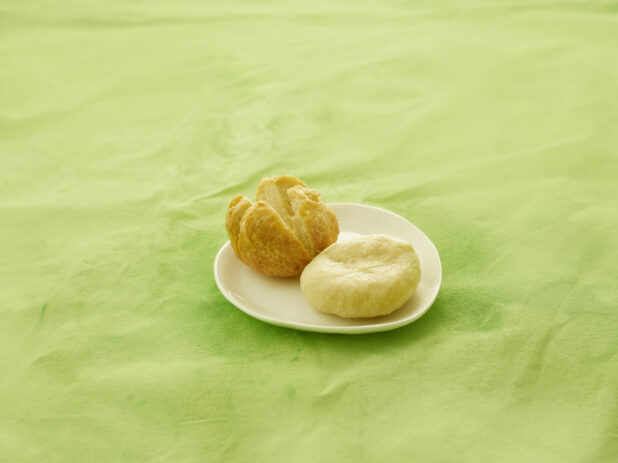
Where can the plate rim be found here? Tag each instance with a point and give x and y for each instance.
(357, 329)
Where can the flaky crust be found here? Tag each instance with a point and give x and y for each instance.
(283, 230)
(320, 222)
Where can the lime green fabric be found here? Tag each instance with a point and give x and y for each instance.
(126, 127)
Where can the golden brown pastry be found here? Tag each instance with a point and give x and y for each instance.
(283, 230)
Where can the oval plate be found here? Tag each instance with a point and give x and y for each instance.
(279, 301)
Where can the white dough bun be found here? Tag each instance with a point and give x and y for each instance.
(366, 276)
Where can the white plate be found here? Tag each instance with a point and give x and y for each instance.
(279, 301)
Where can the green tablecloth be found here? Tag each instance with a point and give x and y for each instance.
(126, 127)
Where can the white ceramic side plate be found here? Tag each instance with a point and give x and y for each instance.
(279, 301)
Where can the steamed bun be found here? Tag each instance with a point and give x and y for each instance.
(366, 276)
